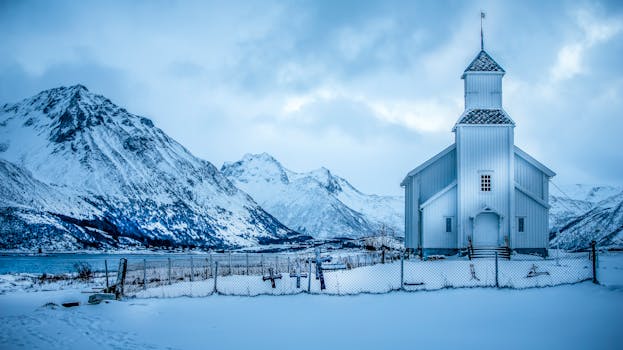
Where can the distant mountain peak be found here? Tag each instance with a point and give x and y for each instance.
(261, 165)
(130, 179)
(318, 202)
(330, 182)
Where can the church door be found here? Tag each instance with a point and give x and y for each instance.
(486, 230)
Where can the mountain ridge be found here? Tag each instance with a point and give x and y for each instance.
(132, 175)
(317, 202)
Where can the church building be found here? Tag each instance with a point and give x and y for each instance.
(482, 192)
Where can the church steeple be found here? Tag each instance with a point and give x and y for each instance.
(483, 83)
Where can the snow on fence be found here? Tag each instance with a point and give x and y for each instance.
(345, 274)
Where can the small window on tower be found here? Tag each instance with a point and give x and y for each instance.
(521, 224)
(448, 224)
(485, 183)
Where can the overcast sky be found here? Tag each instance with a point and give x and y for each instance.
(367, 89)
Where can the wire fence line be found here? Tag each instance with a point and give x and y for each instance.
(347, 273)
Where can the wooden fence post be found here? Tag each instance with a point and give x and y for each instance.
(402, 272)
(594, 255)
(215, 275)
(229, 258)
(106, 269)
(309, 277)
(192, 269)
(144, 274)
(497, 283)
(247, 258)
(169, 263)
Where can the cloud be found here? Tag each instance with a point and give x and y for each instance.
(369, 89)
(595, 30)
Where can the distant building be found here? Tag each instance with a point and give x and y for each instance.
(483, 189)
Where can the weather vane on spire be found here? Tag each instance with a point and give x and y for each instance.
(482, 38)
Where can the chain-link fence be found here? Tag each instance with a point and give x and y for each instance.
(347, 273)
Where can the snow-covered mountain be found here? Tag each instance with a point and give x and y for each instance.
(78, 171)
(583, 213)
(317, 203)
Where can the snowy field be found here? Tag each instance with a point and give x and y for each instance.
(582, 316)
(578, 316)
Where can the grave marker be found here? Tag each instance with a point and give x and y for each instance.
(272, 277)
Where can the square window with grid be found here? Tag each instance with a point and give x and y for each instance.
(485, 183)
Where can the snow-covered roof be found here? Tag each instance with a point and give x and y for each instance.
(484, 63)
(485, 116)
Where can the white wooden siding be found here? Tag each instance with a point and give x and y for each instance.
(535, 233)
(483, 90)
(487, 148)
(421, 187)
(529, 177)
(437, 176)
(434, 221)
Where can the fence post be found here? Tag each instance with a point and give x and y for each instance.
(192, 269)
(309, 277)
(210, 263)
(497, 283)
(594, 255)
(229, 262)
(402, 271)
(215, 275)
(169, 261)
(262, 263)
(277, 264)
(144, 274)
(247, 258)
(106, 268)
(288, 265)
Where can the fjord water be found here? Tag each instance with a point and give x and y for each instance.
(64, 262)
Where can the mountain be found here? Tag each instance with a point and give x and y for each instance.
(317, 203)
(78, 171)
(582, 213)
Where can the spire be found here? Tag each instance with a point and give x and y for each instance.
(482, 37)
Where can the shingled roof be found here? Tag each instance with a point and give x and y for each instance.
(486, 116)
(484, 63)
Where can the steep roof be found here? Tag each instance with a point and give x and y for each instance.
(484, 63)
(427, 163)
(521, 153)
(485, 116)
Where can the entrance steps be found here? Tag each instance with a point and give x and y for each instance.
(489, 253)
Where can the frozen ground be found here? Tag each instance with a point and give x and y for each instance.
(582, 316)
(579, 316)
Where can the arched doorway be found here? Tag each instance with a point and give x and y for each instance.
(486, 227)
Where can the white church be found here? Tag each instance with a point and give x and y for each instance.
(481, 193)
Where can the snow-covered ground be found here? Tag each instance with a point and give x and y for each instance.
(579, 316)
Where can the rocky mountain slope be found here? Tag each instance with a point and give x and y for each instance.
(582, 213)
(317, 203)
(78, 171)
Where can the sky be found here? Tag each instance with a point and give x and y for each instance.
(367, 89)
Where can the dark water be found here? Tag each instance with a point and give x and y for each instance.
(62, 263)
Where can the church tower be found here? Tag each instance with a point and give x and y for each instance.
(485, 153)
